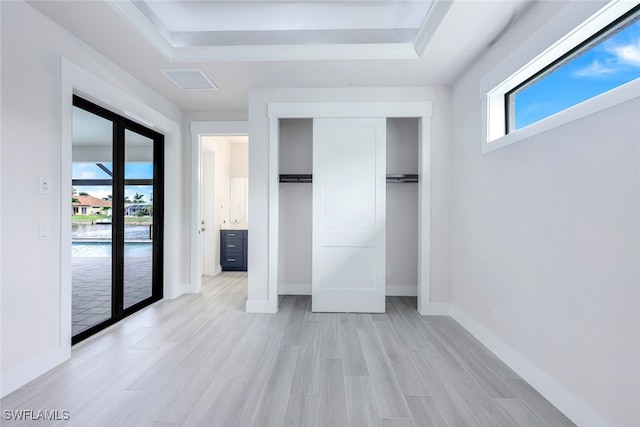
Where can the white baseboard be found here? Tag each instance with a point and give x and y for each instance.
(391, 290)
(554, 392)
(216, 270)
(436, 309)
(28, 371)
(258, 306)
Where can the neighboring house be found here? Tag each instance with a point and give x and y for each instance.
(134, 209)
(89, 205)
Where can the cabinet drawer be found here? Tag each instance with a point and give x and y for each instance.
(228, 234)
(232, 244)
(233, 261)
(233, 250)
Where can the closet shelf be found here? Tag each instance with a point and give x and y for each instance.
(391, 178)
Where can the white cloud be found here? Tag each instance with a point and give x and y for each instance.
(628, 54)
(595, 69)
(619, 58)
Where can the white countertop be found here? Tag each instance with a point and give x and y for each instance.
(234, 226)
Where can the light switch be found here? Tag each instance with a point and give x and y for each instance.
(44, 186)
(43, 231)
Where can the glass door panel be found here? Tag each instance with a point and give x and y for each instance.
(117, 204)
(92, 228)
(138, 218)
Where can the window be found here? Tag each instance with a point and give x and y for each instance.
(583, 60)
(606, 60)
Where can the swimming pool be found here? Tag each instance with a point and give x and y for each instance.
(103, 249)
(104, 231)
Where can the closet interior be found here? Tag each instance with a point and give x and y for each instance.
(295, 206)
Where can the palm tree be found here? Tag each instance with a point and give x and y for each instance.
(138, 198)
(74, 199)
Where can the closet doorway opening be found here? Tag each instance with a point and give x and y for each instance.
(401, 217)
(417, 115)
(117, 224)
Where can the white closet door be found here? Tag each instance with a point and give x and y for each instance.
(349, 205)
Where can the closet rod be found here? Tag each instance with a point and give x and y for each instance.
(295, 177)
(402, 178)
(391, 178)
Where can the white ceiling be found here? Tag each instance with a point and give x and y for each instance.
(290, 15)
(245, 44)
(284, 30)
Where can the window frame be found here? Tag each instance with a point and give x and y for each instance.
(584, 46)
(570, 27)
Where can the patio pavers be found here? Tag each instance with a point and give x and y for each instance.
(91, 288)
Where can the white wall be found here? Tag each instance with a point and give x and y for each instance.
(239, 160)
(32, 336)
(222, 148)
(239, 183)
(259, 175)
(547, 231)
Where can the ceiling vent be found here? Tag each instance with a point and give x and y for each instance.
(189, 78)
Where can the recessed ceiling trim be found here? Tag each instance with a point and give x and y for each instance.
(431, 23)
(347, 44)
(144, 26)
(297, 37)
(153, 18)
(295, 53)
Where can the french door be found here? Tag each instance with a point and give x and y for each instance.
(117, 233)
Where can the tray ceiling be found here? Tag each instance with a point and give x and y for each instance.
(284, 30)
(238, 45)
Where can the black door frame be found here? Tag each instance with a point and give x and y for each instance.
(118, 183)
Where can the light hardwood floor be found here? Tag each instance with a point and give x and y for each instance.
(200, 360)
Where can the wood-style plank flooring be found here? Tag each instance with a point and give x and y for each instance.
(201, 360)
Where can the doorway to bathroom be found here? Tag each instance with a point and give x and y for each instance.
(224, 193)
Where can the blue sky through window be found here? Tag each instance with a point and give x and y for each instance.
(132, 171)
(613, 61)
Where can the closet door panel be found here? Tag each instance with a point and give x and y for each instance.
(348, 186)
(349, 207)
